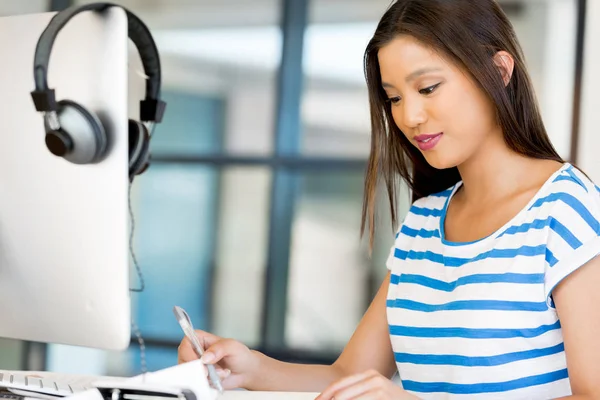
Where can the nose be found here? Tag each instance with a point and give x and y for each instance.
(413, 113)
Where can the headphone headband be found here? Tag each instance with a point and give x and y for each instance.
(151, 108)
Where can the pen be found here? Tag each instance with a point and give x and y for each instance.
(186, 324)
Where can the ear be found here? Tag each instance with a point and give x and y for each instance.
(505, 63)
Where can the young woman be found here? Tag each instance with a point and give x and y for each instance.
(492, 290)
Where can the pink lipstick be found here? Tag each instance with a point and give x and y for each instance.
(428, 141)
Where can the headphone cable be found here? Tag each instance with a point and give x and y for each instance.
(136, 330)
(133, 257)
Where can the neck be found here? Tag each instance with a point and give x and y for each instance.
(493, 172)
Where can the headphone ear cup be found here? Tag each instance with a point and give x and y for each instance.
(139, 148)
(81, 138)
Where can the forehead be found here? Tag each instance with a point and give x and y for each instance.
(404, 54)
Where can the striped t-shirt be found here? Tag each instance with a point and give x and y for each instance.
(477, 319)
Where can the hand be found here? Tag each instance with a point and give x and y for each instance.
(370, 385)
(235, 363)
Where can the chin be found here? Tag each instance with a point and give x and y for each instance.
(439, 161)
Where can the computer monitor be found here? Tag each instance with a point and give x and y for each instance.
(64, 245)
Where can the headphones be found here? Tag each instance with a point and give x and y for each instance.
(75, 133)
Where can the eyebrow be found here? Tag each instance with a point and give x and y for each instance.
(414, 75)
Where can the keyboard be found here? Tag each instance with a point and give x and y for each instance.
(27, 384)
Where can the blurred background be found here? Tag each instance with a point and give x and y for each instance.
(249, 216)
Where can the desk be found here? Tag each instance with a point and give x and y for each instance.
(245, 395)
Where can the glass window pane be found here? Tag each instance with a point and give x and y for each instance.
(156, 358)
(241, 251)
(335, 106)
(8, 7)
(174, 241)
(234, 63)
(193, 125)
(11, 354)
(332, 279)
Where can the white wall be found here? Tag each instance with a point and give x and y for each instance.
(557, 83)
(589, 140)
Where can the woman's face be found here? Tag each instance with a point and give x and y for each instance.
(439, 108)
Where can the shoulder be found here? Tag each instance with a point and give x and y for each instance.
(432, 205)
(573, 199)
(425, 211)
(572, 206)
(420, 224)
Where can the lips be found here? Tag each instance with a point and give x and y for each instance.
(428, 141)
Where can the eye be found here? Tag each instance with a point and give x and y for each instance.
(430, 89)
(393, 100)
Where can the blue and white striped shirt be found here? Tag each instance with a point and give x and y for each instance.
(477, 319)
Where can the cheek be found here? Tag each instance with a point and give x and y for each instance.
(397, 117)
(467, 114)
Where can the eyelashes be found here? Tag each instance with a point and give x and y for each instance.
(425, 91)
(430, 89)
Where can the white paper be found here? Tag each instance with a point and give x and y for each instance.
(190, 375)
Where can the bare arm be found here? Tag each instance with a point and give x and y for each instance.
(368, 348)
(577, 301)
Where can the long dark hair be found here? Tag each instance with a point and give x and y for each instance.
(469, 33)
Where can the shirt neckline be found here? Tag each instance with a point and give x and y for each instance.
(509, 223)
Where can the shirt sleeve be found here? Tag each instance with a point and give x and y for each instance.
(573, 238)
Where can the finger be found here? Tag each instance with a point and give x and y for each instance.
(219, 350)
(369, 387)
(185, 352)
(376, 394)
(329, 392)
(221, 372)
